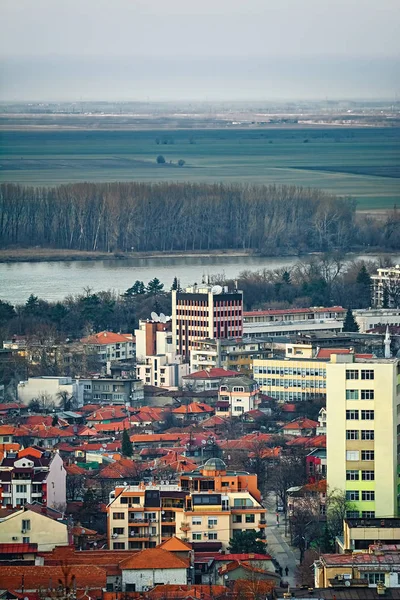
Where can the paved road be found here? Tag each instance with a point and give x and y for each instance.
(279, 548)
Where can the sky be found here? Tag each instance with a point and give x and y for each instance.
(59, 50)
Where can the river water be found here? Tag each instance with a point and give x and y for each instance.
(55, 280)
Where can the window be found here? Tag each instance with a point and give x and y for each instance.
(352, 514)
(367, 455)
(351, 374)
(368, 514)
(26, 540)
(119, 546)
(367, 415)
(21, 489)
(367, 434)
(375, 578)
(368, 495)
(367, 394)
(26, 524)
(196, 536)
(237, 518)
(351, 394)
(239, 409)
(352, 415)
(352, 495)
(249, 519)
(212, 521)
(213, 535)
(352, 434)
(367, 374)
(118, 530)
(20, 501)
(352, 455)
(368, 475)
(238, 389)
(352, 475)
(196, 520)
(118, 516)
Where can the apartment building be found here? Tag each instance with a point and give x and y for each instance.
(386, 287)
(235, 353)
(204, 311)
(369, 318)
(48, 388)
(362, 424)
(113, 390)
(110, 346)
(207, 508)
(291, 321)
(291, 379)
(157, 362)
(32, 475)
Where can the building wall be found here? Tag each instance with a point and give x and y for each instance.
(45, 532)
(56, 484)
(147, 578)
(291, 379)
(384, 426)
(368, 319)
(34, 387)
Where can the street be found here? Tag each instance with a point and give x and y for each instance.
(278, 545)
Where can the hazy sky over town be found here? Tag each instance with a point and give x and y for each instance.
(207, 49)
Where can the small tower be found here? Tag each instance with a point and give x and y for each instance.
(387, 343)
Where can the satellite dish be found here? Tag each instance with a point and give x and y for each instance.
(163, 318)
(347, 583)
(155, 317)
(216, 289)
(168, 319)
(203, 442)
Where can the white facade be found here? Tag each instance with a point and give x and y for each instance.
(388, 279)
(291, 321)
(370, 318)
(56, 484)
(145, 579)
(49, 387)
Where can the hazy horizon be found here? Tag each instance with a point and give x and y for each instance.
(221, 50)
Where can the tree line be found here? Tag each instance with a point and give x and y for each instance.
(135, 216)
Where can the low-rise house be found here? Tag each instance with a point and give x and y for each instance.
(227, 568)
(21, 553)
(32, 475)
(194, 411)
(311, 495)
(376, 569)
(34, 524)
(316, 465)
(207, 379)
(146, 569)
(47, 390)
(242, 393)
(110, 346)
(300, 427)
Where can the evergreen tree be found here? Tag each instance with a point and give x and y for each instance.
(364, 283)
(175, 284)
(154, 287)
(137, 289)
(350, 324)
(126, 445)
(32, 305)
(247, 542)
(286, 278)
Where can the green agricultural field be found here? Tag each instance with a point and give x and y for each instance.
(360, 162)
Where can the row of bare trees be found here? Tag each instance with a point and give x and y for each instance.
(166, 217)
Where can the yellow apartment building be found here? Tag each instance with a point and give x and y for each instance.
(207, 508)
(362, 424)
(289, 379)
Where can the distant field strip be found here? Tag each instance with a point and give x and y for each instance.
(376, 171)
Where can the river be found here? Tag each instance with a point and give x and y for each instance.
(55, 280)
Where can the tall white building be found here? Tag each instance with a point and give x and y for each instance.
(205, 311)
(363, 408)
(386, 279)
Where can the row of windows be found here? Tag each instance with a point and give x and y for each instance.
(355, 475)
(366, 495)
(363, 394)
(355, 374)
(355, 455)
(212, 535)
(301, 383)
(289, 396)
(354, 434)
(304, 372)
(354, 415)
(365, 514)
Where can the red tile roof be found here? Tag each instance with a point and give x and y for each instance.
(74, 469)
(175, 544)
(327, 352)
(18, 548)
(152, 558)
(181, 592)
(36, 577)
(301, 424)
(250, 556)
(107, 337)
(216, 373)
(193, 408)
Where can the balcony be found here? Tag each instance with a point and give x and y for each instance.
(135, 535)
(138, 522)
